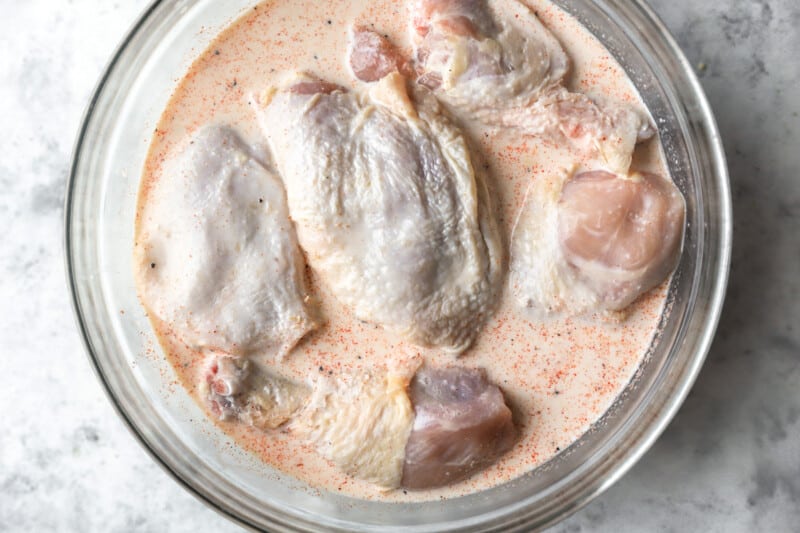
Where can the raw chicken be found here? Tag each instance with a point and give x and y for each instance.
(494, 61)
(237, 389)
(373, 56)
(216, 256)
(462, 425)
(622, 234)
(361, 423)
(451, 424)
(389, 207)
(443, 427)
(595, 242)
(484, 56)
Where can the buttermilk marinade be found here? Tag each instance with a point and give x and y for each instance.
(560, 376)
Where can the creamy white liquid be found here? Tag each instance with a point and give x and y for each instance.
(560, 376)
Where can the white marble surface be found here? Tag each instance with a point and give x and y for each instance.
(729, 462)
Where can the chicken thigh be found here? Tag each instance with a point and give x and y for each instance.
(217, 258)
(384, 427)
(494, 61)
(595, 241)
(402, 426)
(389, 208)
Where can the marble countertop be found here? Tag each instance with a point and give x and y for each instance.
(730, 461)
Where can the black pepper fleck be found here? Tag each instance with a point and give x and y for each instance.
(330, 22)
(152, 265)
(216, 52)
(261, 200)
(321, 369)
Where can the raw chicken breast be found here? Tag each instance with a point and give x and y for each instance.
(388, 206)
(216, 256)
(461, 425)
(238, 389)
(493, 60)
(595, 241)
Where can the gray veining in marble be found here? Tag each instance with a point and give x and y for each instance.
(730, 461)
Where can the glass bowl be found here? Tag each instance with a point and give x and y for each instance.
(101, 202)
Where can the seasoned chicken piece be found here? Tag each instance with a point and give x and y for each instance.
(389, 208)
(595, 242)
(484, 60)
(216, 257)
(373, 56)
(494, 61)
(237, 389)
(461, 425)
(446, 426)
(624, 235)
(361, 423)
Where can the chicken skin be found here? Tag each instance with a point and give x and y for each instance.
(216, 257)
(390, 209)
(399, 427)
